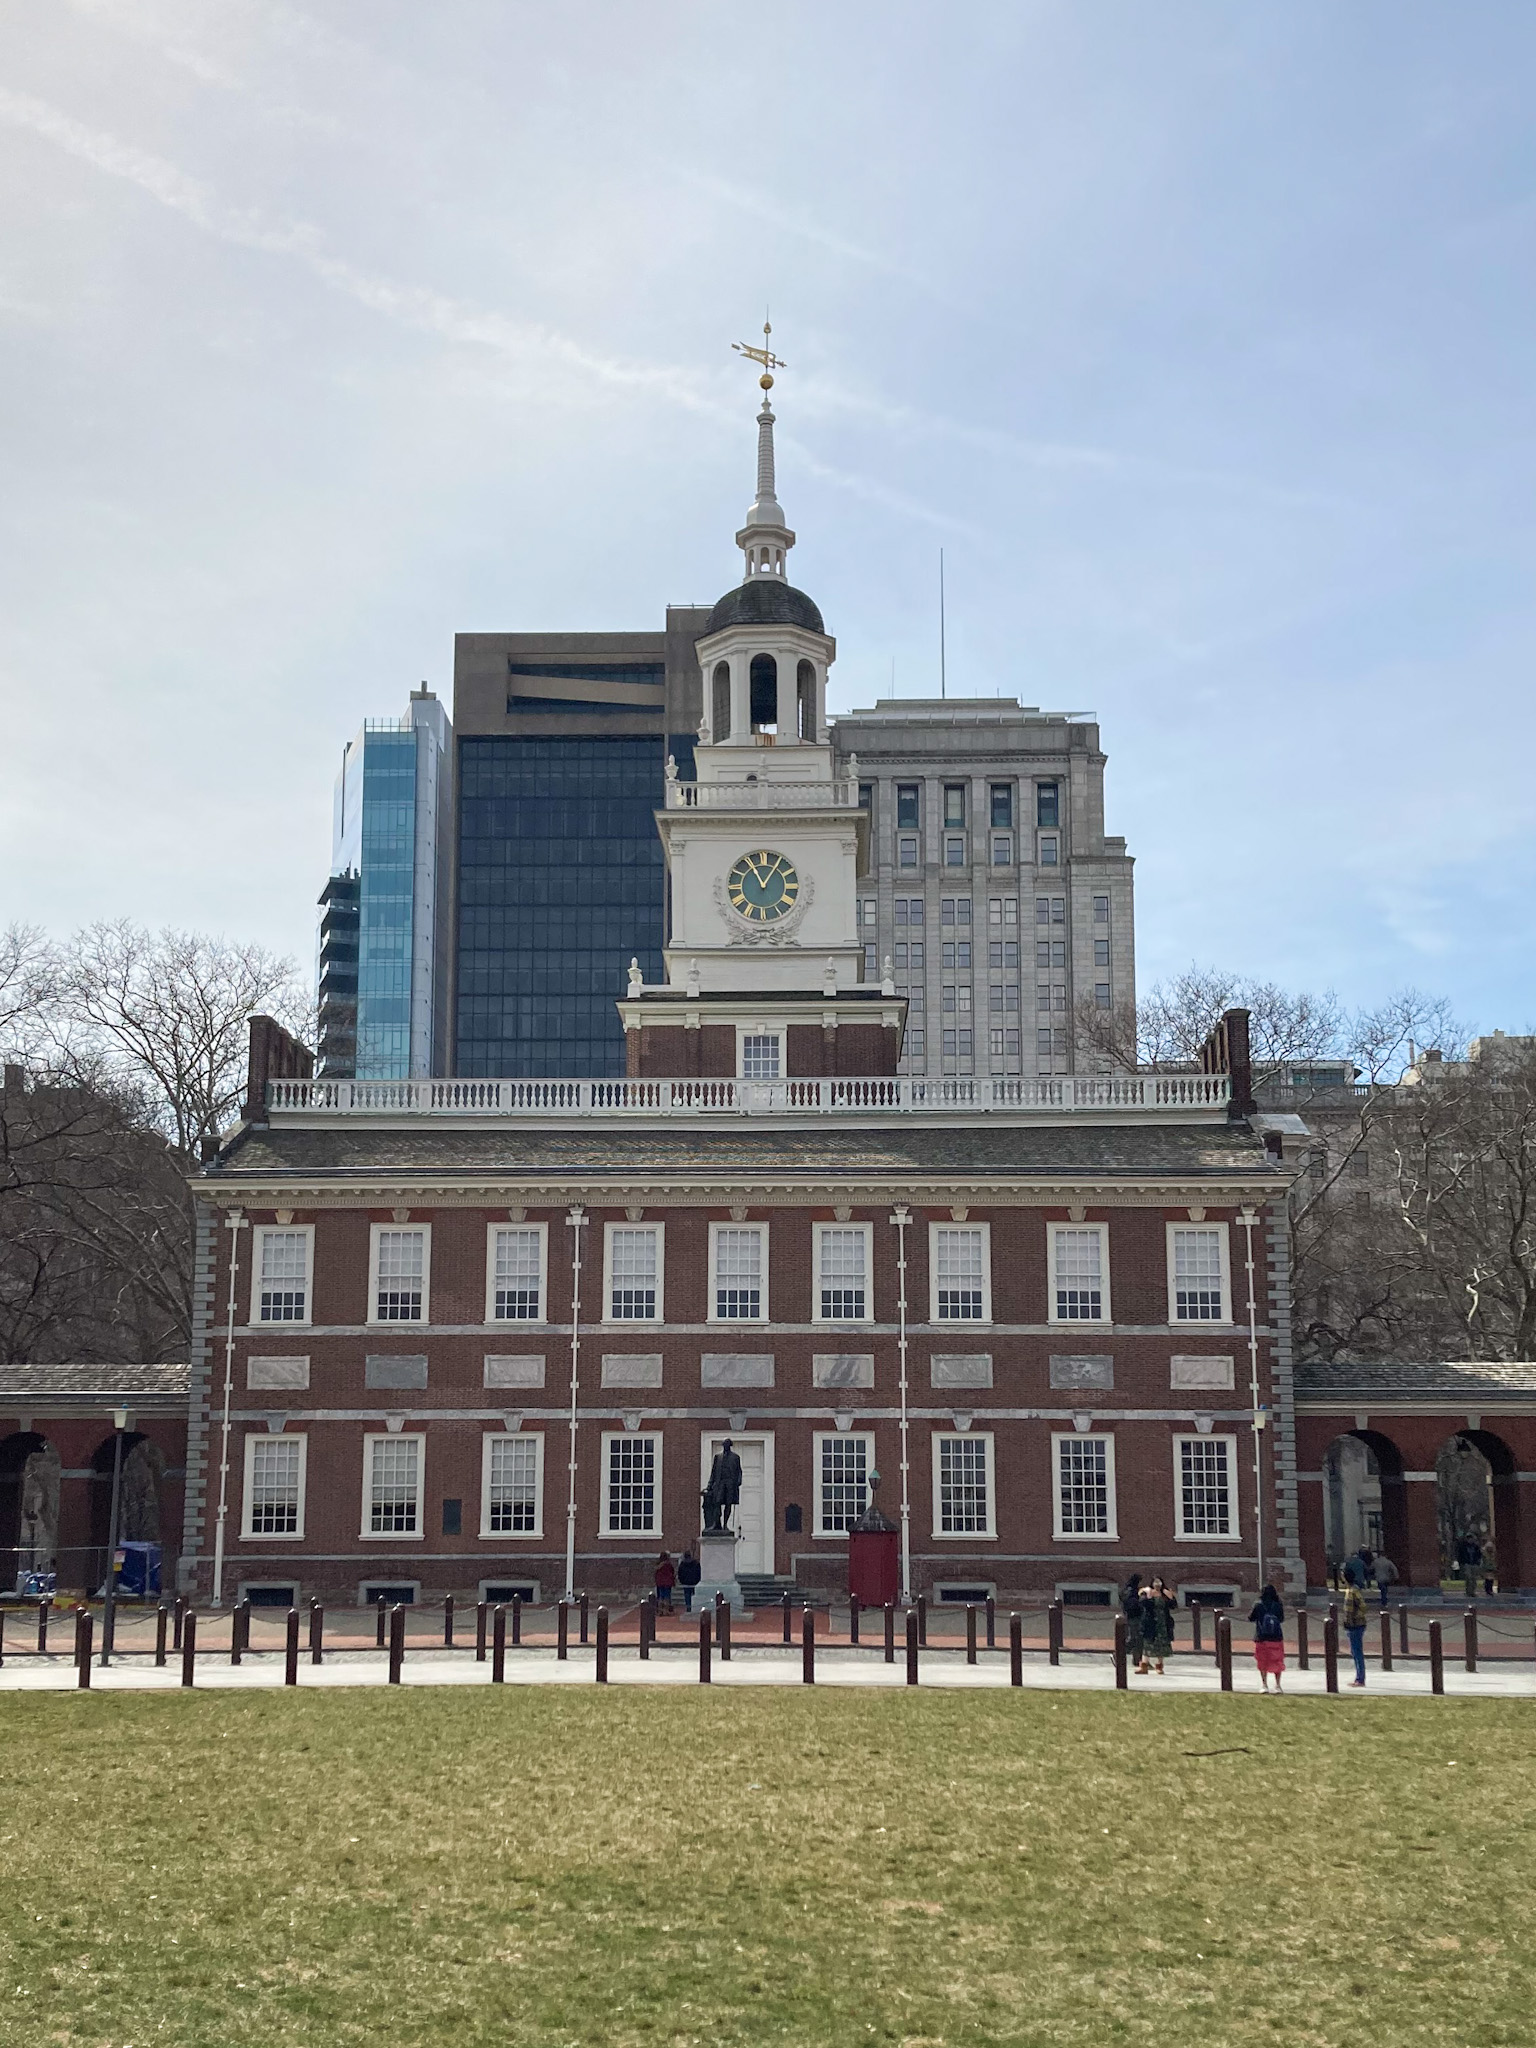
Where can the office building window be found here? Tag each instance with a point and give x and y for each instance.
(964, 1048)
(955, 953)
(1050, 850)
(1101, 910)
(1002, 805)
(951, 1045)
(1206, 1506)
(842, 1272)
(1079, 1272)
(1085, 1486)
(1197, 1273)
(843, 1466)
(909, 910)
(1012, 1048)
(1043, 996)
(631, 1484)
(517, 1261)
(284, 1259)
(398, 1285)
(869, 911)
(914, 1043)
(961, 1268)
(964, 993)
(955, 910)
(633, 1288)
(1101, 995)
(392, 1485)
(954, 851)
(274, 1485)
(995, 1044)
(995, 997)
(738, 1268)
(1043, 1045)
(867, 796)
(1058, 995)
(962, 1484)
(1003, 953)
(1059, 1045)
(1050, 910)
(1048, 803)
(908, 802)
(871, 961)
(954, 803)
(1010, 995)
(1101, 952)
(760, 1054)
(512, 1486)
(1002, 849)
(906, 853)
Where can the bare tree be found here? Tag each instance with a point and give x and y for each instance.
(1175, 1018)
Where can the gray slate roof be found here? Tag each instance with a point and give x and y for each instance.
(1395, 1380)
(765, 601)
(85, 1381)
(620, 1152)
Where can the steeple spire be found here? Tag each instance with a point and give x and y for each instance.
(765, 540)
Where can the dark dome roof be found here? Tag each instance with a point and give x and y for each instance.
(765, 601)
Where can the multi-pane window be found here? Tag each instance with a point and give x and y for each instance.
(634, 1273)
(906, 852)
(631, 1485)
(909, 910)
(954, 803)
(393, 1501)
(1043, 1044)
(1050, 910)
(1050, 953)
(1085, 1485)
(1079, 1279)
(842, 1278)
(961, 1282)
(1050, 850)
(1197, 1258)
(915, 1045)
(1207, 1496)
(1003, 953)
(843, 1466)
(955, 910)
(1101, 952)
(739, 1258)
(871, 963)
(760, 1055)
(512, 1485)
(1101, 995)
(1101, 910)
(869, 911)
(1002, 804)
(400, 1275)
(908, 802)
(954, 851)
(962, 1485)
(1048, 803)
(909, 953)
(274, 1486)
(282, 1294)
(517, 1274)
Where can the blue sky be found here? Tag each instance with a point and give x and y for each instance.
(1198, 337)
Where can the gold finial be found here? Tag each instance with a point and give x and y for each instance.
(763, 355)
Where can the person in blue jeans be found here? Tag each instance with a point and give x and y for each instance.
(1354, 1628)
(689, 1572)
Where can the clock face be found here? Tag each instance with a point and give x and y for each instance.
(762, 886)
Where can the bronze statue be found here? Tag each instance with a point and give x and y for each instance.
(724, 1489)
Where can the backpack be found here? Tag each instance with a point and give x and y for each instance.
(1271, 1627)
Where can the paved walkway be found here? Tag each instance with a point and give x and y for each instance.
(749, 1666)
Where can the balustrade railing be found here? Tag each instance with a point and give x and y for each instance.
(839, 793)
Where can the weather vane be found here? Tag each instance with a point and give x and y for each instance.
(763, 355)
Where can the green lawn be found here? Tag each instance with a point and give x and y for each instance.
(572, 1866)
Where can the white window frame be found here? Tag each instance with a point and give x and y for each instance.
(773, 1031)
(1180, 1533)
(605, 1529)
(519, 1436)
(373, 1319)
(516, 1322)
(1105, 1315)
(366, 1532)
(1224, 1321)
(1112, 1504)
(959, 1322)
(253, 1438)
(819, 1529)
(986, 1439)
(634, 1322)
(738, 1322)
(867, 1232)
(259, 1236)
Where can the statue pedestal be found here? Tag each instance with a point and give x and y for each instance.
(717, 1565)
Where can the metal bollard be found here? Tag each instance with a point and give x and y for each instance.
(1303, 1646)
(1402, 1626)
(1053, 1631)
(786, 1617)
(517, 1619)
(181, 1611)
(316, 1632)
(162, 1626)
(645, 1630)
(239, 1631)
(396, 1643)
(922, 1621)
(291, 1649)
(890, 1632)
(1119, 1654)
(808, 1646)
(602, 1646)
(1224, 1650)
(970, 1635)
(704, 1646)
(447, 1621)
(188, 1645)
(83, 1676)
(853, 1621)
(582, 1607)
(1331, 1650)
(1436, 1659)
(1469, 1630)
(80, 1617)
(482, 1616)
(42, 1628)
(723, 1630)
(991, 1611)
(383, 1622)
(1196, 1615)
(563, 1632)
(1015, 1649)
(499, 1646)
(1386, 1641)
(912, 1645)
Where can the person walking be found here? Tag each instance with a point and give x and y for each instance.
(1354, 1628)
(1157, 1605)
(666, 1579)
(1130, 1607)
(689, 1572)
(1268, 1618)
(1386, 1575)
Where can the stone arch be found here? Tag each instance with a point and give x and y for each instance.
(720, 702)
(101, 1491)
(1477, 1497)
(763, 686)
(1365, 1499)
(29, 1504)
(805, 700)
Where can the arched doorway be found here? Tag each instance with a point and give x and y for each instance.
(1365, 1502)
(1478, 1501)
(29, 1505)
(139, 1502)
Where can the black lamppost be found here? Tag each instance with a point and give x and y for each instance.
(120, 1424)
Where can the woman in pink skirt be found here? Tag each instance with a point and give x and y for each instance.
(1268, 1618)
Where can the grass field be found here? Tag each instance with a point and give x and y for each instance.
(551, 1867)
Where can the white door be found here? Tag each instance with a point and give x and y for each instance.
(752, 1518)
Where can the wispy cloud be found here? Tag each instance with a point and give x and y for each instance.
(757, 207)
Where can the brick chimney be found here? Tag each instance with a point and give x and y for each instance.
(275, 1055)
(1226, 1052)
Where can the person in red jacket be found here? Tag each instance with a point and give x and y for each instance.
(666, 1579)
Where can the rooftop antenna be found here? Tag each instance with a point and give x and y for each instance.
(943, 685)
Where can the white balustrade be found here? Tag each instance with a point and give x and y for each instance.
(763, 794)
